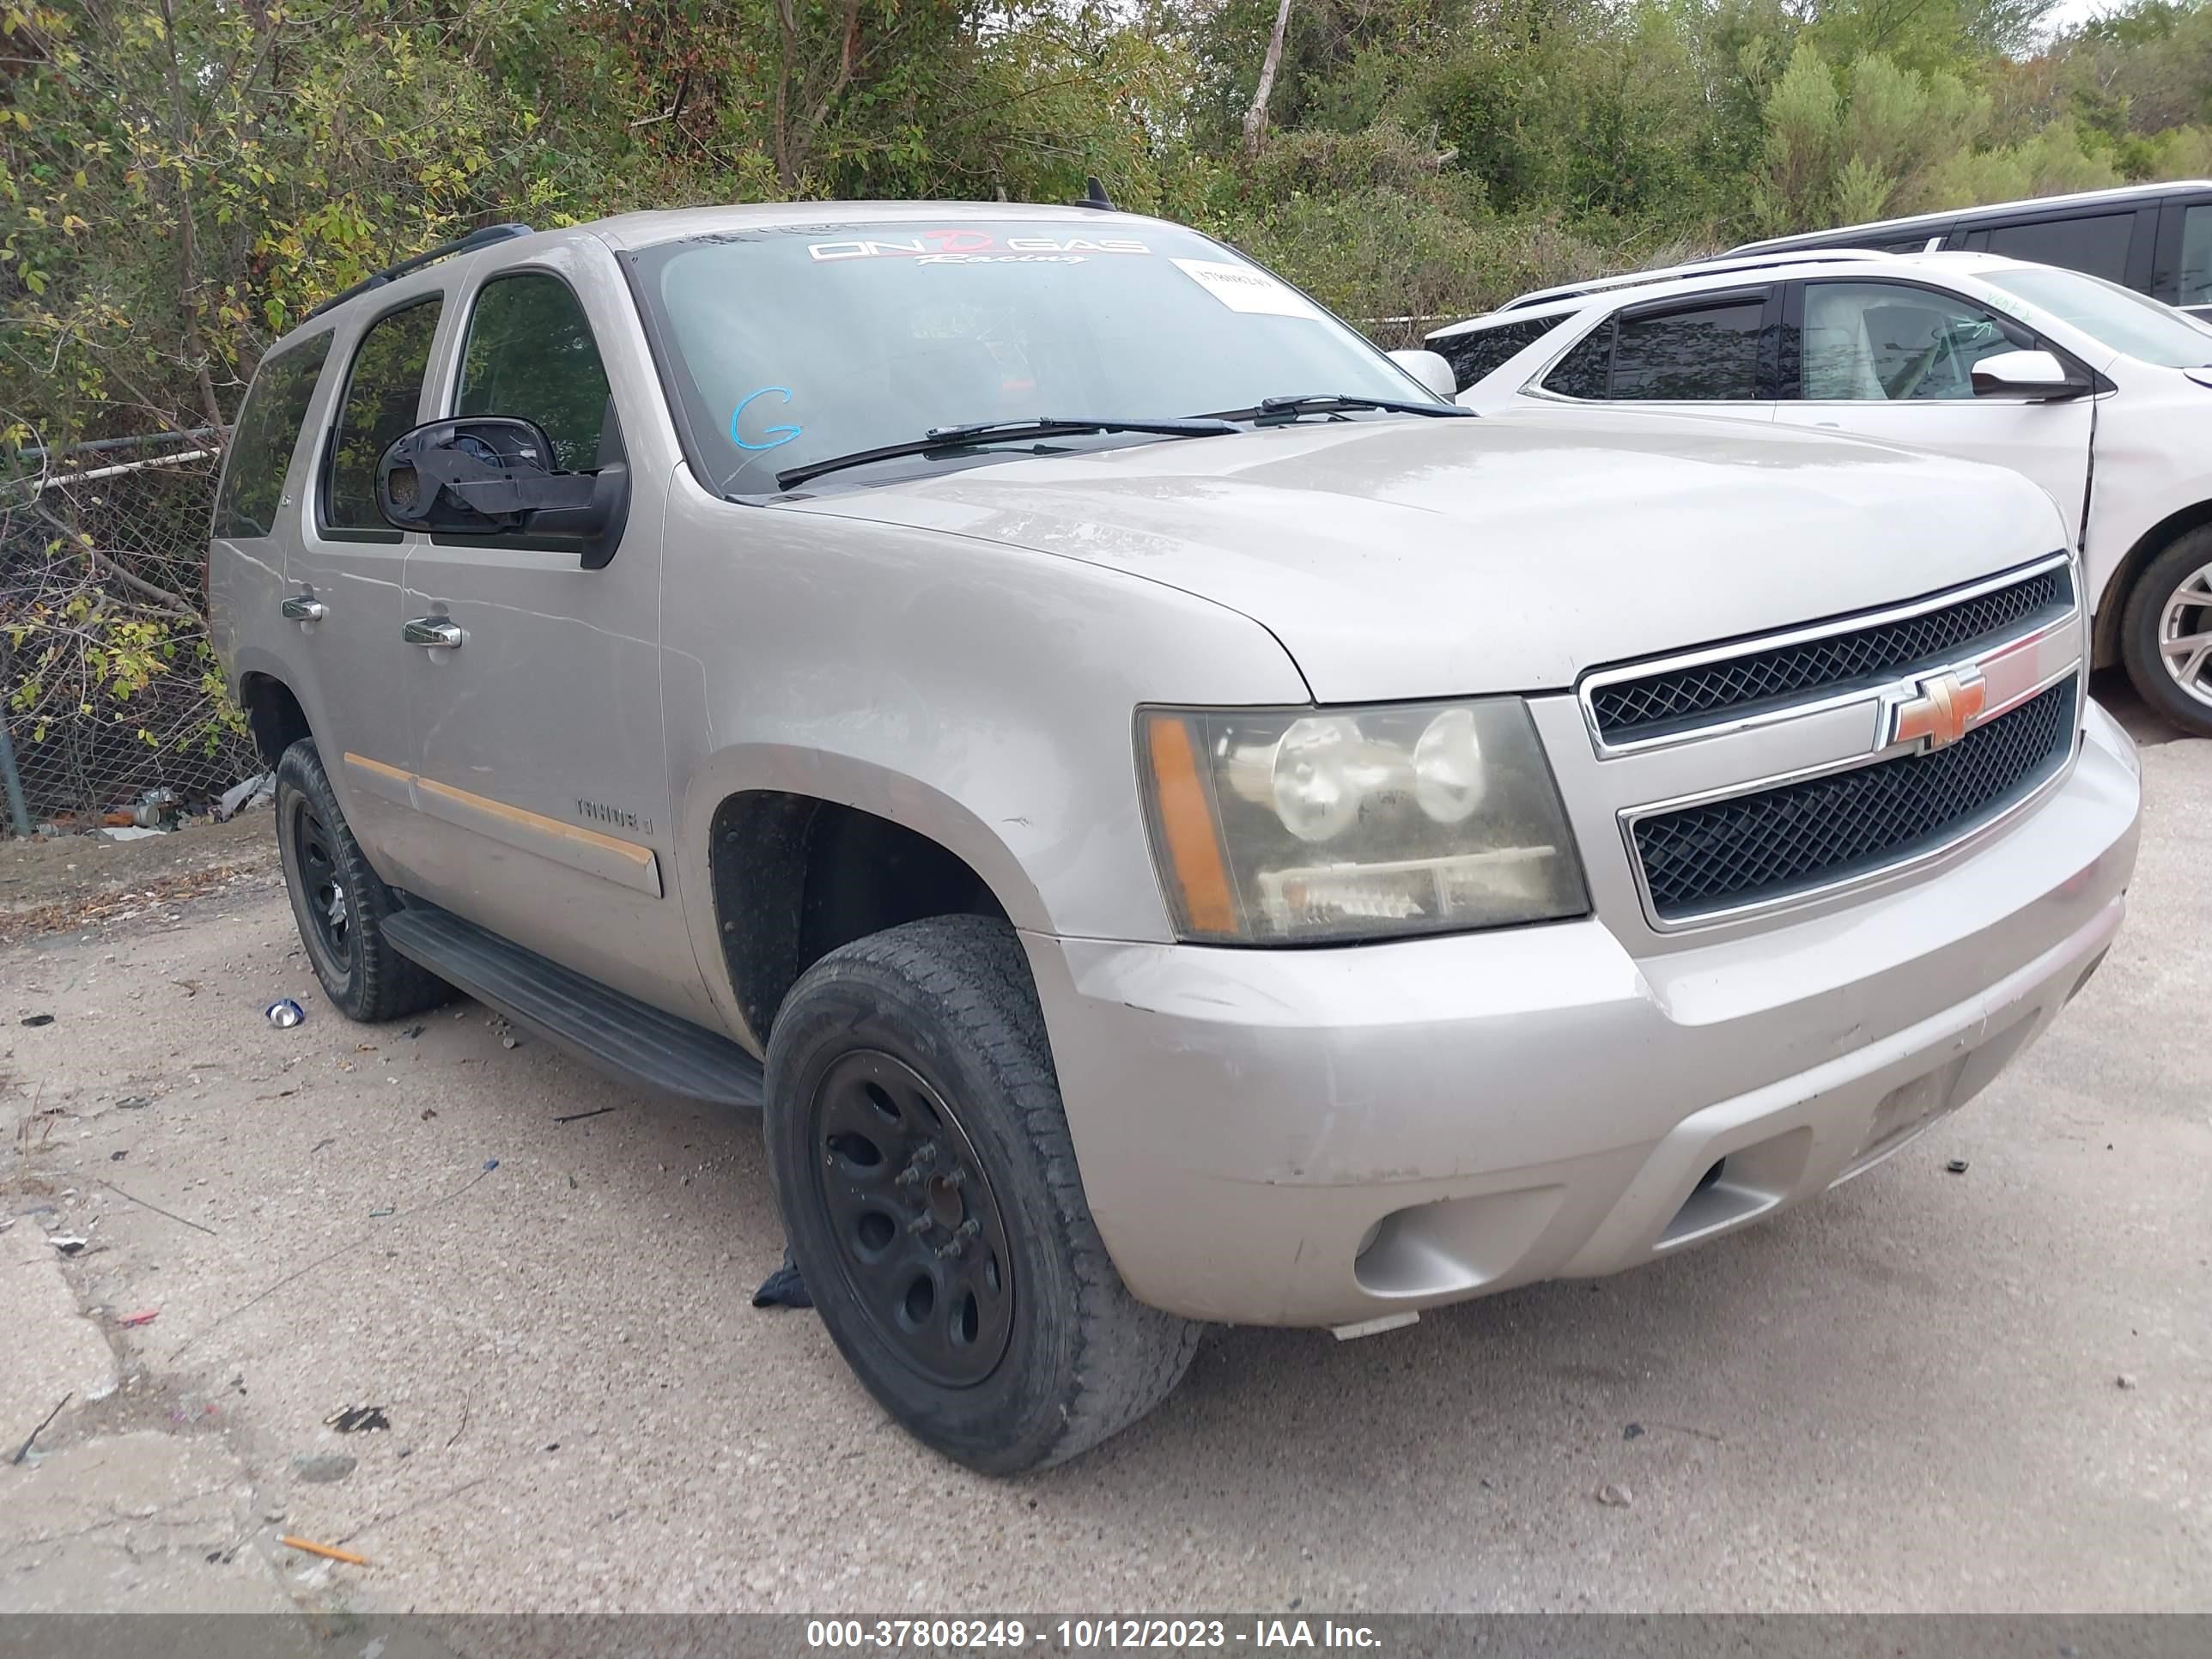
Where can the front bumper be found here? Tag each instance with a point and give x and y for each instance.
(1325, 1137)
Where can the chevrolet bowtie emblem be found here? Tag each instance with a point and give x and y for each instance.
(1940, 708)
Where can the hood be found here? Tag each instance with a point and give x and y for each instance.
(1424, 558)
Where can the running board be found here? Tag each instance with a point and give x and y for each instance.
(606, 1030)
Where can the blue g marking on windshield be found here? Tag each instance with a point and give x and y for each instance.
(775, 436)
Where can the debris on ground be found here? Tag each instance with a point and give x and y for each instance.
(358, 1419)
(1956, 1166)
(133, 1103)
(24, 1450)
(285, 1013)
(379, 1214)
(320, 1468)
(145, 1317)
(67, 1243)
(578, 1117)
(330, 1551)
(2124, 1380)
(784, 1288)
(235, 799)
(37, 1020)
(1613, 1497)
(128, 832)
(158, 809)
(1633, 1432)
(183, 1221)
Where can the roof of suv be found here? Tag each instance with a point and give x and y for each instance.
(1697, 268)
(1666, 283)
(2120, 196)
(643, 229)
(661, 225)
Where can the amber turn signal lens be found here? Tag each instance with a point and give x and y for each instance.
(1195, 869)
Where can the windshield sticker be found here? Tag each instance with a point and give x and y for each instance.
(977, 247)
(773, 437)
(1246, 288)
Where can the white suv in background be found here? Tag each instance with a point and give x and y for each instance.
(2101, 396)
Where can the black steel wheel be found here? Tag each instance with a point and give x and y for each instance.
(921, 1243)
(922, 1163)
(322, 886)
(339, 901)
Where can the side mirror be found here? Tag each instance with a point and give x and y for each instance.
(489, 475)
(1431, 369)
(2026, 374)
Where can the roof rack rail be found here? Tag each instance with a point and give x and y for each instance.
(468, 244)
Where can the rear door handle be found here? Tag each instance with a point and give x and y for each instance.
(300, 608)
(433, 630)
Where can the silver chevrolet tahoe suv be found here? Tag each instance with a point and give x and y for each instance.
(1168, 819)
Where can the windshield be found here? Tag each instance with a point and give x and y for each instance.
(2119, 317)
(794, 345)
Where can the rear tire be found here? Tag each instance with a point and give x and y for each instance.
(2159, 614)
(921, 1161)
(340, 903)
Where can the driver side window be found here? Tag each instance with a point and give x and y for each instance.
(1887, 342)
(530, 354)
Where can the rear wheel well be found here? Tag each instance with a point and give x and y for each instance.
(2105, 648)
(796, 877)
(273, 715)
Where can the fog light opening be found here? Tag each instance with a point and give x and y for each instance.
(2095, 963)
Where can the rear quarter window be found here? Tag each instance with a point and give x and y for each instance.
(262, 442)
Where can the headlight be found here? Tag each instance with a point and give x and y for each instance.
(1290, 826)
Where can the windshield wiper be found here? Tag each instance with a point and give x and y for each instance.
(977, 433)
(1270, 411)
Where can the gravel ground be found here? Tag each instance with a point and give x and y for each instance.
(1983, 1391)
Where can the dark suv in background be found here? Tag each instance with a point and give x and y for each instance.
(2155, 239)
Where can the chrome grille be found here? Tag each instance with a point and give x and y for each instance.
(1757, 848)
(1631, 710)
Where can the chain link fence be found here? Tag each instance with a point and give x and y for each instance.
(115, 704)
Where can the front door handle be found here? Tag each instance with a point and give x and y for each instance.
(298, 608)
(433, 630)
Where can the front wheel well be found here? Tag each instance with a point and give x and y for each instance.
(2105, 645)
(273, 715)
(795, 877)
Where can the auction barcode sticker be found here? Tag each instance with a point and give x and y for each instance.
(1246, 288)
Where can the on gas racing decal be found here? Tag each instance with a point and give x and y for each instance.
(960, 247)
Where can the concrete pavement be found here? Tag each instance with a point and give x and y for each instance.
(1906, 1396)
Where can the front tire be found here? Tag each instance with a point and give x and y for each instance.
(921, 1161)
(340, 903)
(2166, 632)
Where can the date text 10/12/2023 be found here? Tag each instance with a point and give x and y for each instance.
(1256, 1635)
